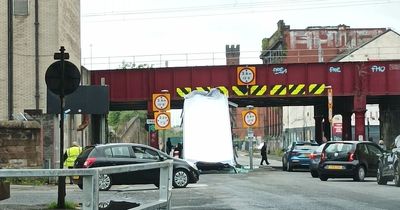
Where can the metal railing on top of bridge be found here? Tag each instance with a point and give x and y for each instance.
(246, 57)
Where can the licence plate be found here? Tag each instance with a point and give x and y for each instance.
(336, 167)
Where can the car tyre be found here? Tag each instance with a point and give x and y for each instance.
(283, 165)
(180, 178)
(289, 166)
(105, 182)
(379, 176)
(360, 174)
(323, 178)
(314, 173)
(397, 175)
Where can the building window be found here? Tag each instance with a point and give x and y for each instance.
(21, 7)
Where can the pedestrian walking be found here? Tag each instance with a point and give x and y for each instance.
(264, 154)
(169, 146)
(70, 156)
(382, 144)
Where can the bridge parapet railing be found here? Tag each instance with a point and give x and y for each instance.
(246, 57)
(90, 198)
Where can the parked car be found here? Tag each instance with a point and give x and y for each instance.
(315, 157)
(127, 153)
(389, 165)
(297, 155)
(349, 159)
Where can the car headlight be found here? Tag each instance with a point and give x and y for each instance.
(192, 165)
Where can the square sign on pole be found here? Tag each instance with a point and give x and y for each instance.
(250, 118)
(162, 120)
(161, 102)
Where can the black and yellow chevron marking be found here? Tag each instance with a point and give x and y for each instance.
(298, 89)
(183, 91)
(207, 89)
(223, 90)
(316, 89)
(240, 90)
(258, 90)
(278, 90)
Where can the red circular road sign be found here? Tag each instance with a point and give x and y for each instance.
(250, 118)
(161, 102)
(162, 120)
(246, 75)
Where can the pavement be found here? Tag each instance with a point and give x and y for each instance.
(244, 160)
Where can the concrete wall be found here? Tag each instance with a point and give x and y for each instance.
(21, 144)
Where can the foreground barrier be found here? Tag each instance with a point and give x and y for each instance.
(91, 181)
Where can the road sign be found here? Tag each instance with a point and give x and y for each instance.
(250, 118)
(161, 102)
(162, 120)
(246, 75)
(149, 121)
(71, 80)
(330, 104)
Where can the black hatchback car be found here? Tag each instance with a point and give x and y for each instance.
(127, 153)
(349, 159)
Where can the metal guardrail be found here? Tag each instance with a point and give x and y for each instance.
(91, 181)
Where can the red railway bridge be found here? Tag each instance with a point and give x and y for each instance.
(354, 85)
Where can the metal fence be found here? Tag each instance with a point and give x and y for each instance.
(90, 199)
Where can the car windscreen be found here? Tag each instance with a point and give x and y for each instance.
(339, 151)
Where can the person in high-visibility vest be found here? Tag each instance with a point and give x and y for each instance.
(70, 156)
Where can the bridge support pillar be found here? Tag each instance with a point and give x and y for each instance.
(327, 128)
(318, 128)
(359, 111)
(389, 115)
(346, 126)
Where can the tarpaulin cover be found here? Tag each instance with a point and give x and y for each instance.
(207, 135)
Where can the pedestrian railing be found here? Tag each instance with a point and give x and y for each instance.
(91, 181)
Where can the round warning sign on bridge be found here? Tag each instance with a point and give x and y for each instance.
(162, 120)
(161, 102)
(246, 75)
(250, 118)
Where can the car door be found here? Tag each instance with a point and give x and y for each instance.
(119, 155)
(374, 152)
(362, 154)
(146, 155)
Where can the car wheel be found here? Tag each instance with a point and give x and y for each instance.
(314, 173)
(181, 179)
(105, 182)
(379, 176)
(289, 166)
(397, 175)
(283, 165)
(360, 174)
(323, 178)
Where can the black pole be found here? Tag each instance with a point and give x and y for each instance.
(10, 60)
(61, 179)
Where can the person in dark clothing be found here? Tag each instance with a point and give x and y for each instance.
(169, 146)
(264, 154)
(179, 149)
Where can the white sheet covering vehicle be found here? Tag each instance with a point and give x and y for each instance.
(207, 135)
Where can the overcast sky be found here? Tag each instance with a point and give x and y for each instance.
(112, 28)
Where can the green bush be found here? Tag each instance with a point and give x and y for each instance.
(28, 180)
(68, 205)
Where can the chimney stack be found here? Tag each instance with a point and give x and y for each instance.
(232, 54)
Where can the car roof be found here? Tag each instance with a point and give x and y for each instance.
(120, 144)
(305, 143)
